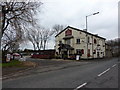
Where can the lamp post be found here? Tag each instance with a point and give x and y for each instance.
(87, 29)
(88, 16)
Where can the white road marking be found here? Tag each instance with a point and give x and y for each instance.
(80, 86)
(104, 72)
(114, 65)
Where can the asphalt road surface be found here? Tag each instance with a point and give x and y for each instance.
(98, 74)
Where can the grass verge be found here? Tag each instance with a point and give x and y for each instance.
(12, 63)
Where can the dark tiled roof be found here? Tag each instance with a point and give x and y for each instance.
(79, 30)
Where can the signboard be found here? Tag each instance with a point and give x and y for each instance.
(77, 57)
(68, 32)
(8, 58)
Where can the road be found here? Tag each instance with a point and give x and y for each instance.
(97, 74)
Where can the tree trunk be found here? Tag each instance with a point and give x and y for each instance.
(34, 47)
(4, 53)
(44, 47)
(38, 46)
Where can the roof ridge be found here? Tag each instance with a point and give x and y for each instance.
(79, 30)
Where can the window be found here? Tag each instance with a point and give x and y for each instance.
(82, 51)
(60, 42)
(78, 41)
(78, 51)
(95, 41)
(94, 52)
(88, 39)
(68, 41)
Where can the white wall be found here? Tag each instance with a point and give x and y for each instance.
(83, 43)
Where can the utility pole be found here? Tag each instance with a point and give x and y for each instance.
(87, 30)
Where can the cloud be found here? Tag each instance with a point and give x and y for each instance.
(73, 12)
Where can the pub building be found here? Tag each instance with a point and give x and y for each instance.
(72, 41)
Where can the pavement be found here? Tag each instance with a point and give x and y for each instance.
(75, 75)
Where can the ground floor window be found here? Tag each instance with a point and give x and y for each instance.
(79, 51)
(82, 51)
(94, 52)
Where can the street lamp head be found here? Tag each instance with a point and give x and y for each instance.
(95, 13)
(88, 16)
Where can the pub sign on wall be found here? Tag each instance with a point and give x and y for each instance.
(68, 32)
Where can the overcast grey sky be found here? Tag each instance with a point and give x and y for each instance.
(73, 13)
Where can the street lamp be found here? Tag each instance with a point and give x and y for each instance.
(88, 16)
(87, 30)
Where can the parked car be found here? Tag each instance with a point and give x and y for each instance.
(42, 55)
(16, 56)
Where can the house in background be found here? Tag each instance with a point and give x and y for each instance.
(72, 41)
(108, 51)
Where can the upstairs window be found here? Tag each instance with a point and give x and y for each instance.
(60, 42)
(88, 39)
(68, 41)
(95, 41)
(78, 41)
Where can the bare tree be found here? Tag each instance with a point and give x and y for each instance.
(16, 17)
(11, 40)
(57, 28)
(35, 37)
(47, 33)
(30, 35)
(18, 14)
(114, 44)
(39, 37)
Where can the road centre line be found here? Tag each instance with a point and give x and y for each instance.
(80, 86)
(103, 72)
(114, 65)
